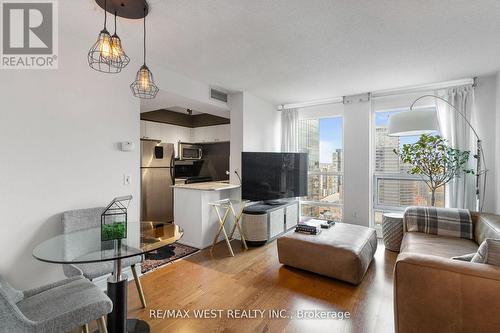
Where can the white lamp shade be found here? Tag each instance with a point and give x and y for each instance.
(413, 122)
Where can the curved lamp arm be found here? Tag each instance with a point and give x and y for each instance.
(480, 152)
(452, 106)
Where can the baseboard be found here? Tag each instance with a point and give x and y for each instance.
(101, 281)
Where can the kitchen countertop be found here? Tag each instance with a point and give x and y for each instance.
(207, 186)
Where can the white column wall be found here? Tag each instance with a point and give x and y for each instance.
(255, 126)
(357, 161)
(496, 205)
(237, 129)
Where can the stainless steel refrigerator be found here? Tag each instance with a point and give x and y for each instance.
(157, 177)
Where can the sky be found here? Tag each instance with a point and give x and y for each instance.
(330, 137)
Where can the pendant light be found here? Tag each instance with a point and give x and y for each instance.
(144, 85)
(100, 53)
(118, 59)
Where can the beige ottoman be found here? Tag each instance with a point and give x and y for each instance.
(343, 252)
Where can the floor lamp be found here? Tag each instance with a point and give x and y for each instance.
(417, 122)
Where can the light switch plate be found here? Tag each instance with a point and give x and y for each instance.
(127, 179)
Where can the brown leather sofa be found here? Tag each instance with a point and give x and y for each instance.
(434, 293)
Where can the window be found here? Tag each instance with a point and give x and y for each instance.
(322, 139)
(394, 189)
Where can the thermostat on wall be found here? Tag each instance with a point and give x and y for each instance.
(127, 146)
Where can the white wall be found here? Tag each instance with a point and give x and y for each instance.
(59, 135)
(357, 176)
(261, 125)
(497, 148)
(236, 136)
(321, 111)
(255, 126)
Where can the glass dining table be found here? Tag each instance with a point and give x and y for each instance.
(85, 246)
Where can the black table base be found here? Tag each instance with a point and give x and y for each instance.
(137, 326)
(117, 320)
(134, 326)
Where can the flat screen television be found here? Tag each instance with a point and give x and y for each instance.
(273, 176)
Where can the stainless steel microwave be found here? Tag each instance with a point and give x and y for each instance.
(189, 151)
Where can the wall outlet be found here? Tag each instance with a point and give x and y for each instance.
(127, 179)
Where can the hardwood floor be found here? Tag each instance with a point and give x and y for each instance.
(254, 280)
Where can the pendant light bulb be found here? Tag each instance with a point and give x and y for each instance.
(118, 58)
(104, 42)
(144, 79)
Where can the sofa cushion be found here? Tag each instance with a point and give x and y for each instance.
(448, 222)
(488, 252)
(447, 247)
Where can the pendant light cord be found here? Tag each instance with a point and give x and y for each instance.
(105, 10)
(145, 7)
(115, 22)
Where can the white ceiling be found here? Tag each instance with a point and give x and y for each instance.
(296, 50)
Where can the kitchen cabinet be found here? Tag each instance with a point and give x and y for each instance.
(151, 130)
(166, 133)
(174, 134)
(217, 133)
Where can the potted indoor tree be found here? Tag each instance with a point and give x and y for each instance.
(435, 161)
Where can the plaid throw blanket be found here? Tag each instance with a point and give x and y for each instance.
(450, 222)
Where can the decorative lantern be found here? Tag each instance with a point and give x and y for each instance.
(114, 219)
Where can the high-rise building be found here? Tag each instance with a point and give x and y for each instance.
(385, 158)
(309, 141)
(338, 160)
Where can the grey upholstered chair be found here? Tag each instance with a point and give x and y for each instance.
(63, 306)
(81, 219)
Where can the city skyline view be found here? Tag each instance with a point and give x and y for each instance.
(322, 139)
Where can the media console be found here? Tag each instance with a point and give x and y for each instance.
(263, 222)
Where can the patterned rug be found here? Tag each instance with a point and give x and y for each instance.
(156, 259)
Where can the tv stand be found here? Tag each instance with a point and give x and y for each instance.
(273, 202)
(264, 221)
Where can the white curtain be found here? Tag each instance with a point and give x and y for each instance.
(289, 130)
(460, 192)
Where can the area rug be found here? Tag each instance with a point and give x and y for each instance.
(167, 254)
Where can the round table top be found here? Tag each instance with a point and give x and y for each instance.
(85, 246)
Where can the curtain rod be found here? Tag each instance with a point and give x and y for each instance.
(384, 93)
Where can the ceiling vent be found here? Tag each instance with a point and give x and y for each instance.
(218, 95)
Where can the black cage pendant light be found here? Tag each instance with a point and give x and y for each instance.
(99, 56)
(107, 54)
(144, 85)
